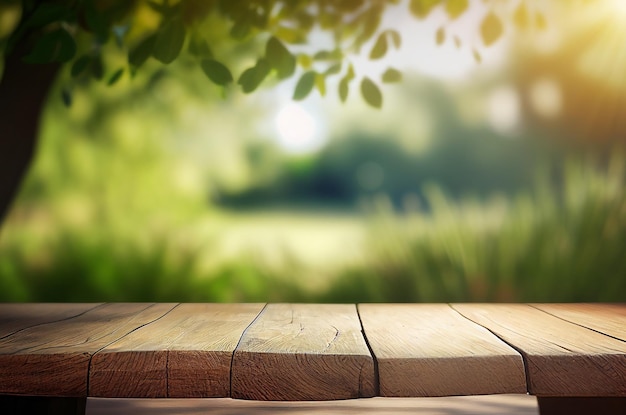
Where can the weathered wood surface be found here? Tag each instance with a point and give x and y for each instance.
(609, 319)
(187, 353)
(19, 316)
(303, 352)
(562, 358)
(431, 350)
(311, 352)
(53, 359)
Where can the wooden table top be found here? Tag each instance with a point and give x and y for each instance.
(311, 351)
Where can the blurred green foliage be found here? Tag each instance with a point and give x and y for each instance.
(118, 207)
(463, 159)
(544, 245)
(541, 245)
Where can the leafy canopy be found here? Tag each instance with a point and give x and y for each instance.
(75, 32)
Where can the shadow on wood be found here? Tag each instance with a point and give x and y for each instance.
(18, 405)
(580, 406)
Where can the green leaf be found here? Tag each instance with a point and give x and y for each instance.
(455, 8)
(333, 70)
(380, 47)
(46, 13)
(251, 78)
(306, 21)
(162, 9)
(320, 83)
(290, 35)
(343, 89)
(392, 75)
(55, 46)
(329, 21)
(240, 30)
(260, 17)
(477, 56)
(491, 29)
(66, 96)
(371, 93)
(371, 22)
(66, 46)
(395, 38)
(304, 60)
(97, 68)
(141, 52)
(216, 71)
(199, 47)
(422, 8)
(115, 77)
(521, 17)
(80, 65)
(304, 85)
(169, 41)
(328, 55)
(347, 6)
(165, 9)
(344, 83)
(280, 58)
(96, 22)
(350, 75)
(440, 36)
(39, 16)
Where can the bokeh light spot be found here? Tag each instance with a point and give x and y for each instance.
(297, 130)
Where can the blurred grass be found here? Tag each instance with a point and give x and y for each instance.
(77, 267)
(554, 242)
(548, 244)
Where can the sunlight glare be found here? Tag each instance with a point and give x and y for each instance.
(504, 109)
(618, 7)
(546, 98)
(297, 130)
(605, 59)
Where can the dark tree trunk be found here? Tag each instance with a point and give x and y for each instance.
(23, 91)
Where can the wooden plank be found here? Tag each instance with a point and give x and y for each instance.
(609, 319)
(185, 354)
(430, 350)
(19, 316)
(562, 359)
(303, 352)
(53, 359)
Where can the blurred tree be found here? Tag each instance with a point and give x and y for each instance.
(577, 91)
(38, 37)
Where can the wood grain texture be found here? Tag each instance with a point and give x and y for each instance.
(53, 359)
(185, 354)
(303, 352)
(609, 319)
(19, 316)
(430, 350)
(562, 359)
